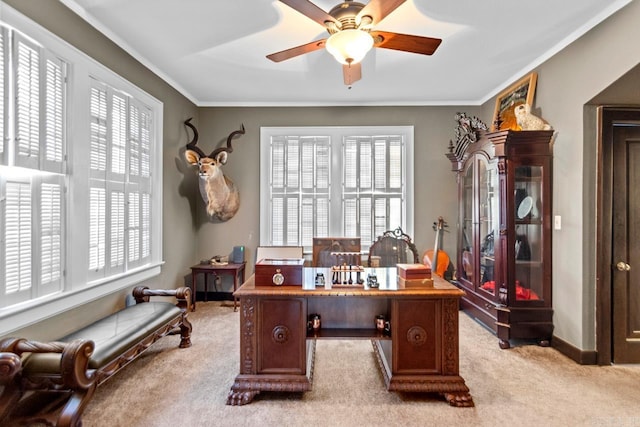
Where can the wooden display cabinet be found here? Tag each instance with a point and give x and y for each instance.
(504, 232)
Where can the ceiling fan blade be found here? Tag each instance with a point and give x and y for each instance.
(379, 9)
(296, 51)
(352, 73)
(405, 42)
(310, 10)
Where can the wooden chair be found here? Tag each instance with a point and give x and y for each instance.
(393, 247)
(330, 251)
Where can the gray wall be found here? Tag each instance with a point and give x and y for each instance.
(435, 185)
(579, 75)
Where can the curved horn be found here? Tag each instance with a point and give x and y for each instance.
(228, 148)
(192, 145)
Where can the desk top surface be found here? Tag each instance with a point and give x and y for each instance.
(387, 280)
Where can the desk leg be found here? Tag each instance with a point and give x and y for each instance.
(193, 290)
(206, 287)
(235, 288)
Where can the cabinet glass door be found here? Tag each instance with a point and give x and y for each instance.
(466, 248)
(529, 267)
(488, 222)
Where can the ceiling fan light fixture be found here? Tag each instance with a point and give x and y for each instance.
(349, 46)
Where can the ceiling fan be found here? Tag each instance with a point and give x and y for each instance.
(351, 36)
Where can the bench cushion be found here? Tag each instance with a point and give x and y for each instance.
(112, 335)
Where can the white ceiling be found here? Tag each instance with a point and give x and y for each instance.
(213, 51)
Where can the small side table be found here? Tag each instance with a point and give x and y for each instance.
(234, 270)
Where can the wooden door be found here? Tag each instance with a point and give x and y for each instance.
(625, 233)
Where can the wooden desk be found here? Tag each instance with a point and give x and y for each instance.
(419, 355)
(234, 270)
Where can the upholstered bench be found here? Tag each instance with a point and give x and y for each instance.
(53, 382)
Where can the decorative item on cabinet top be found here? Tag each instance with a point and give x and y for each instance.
(521, 92)
(468, 130)
(528, 121)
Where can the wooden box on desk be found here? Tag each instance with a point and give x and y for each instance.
(413, 271)
(414, 276)
(279, 272)
(403, 283)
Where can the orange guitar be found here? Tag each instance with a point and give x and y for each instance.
(436, 256)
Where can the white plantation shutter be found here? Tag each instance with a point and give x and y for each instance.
(33, 209)
(139, 204)
(145, 185)
(366, 165)
(145, 219)
(279, 178)
(39, 98)
(116, 240)
(3, 96)
(33, 245)
(134, 229)
(18, 262)
(98, 123)
(292, 221)
(53, 156)
(379, 216)
(120, 163)
(118, 136)
(145, 143)
(379, 165)
(395, 164)
(98, 161)
(27, 95)
(134, 142)
(373, 185)
(51, 235)
(97, 228)
(277, 221)
(300, 202)
(367, 233)
(350, 217)
(300, 188)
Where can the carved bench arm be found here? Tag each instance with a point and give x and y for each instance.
(10, 365)
(74, 360)
(182, 294)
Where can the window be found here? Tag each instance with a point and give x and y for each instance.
(120, 145)
(32, 183)
(80, 158)
(330, 181)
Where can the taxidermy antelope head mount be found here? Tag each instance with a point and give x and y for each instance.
(218, 191)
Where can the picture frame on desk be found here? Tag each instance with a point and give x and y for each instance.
(521, 92)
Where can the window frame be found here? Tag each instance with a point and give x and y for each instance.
(336, 202)
(78, 287)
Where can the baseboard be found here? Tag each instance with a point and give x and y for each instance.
(583, 357)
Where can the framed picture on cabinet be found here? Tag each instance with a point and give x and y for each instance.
(521, 92)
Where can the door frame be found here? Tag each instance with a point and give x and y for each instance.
(606, 116)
